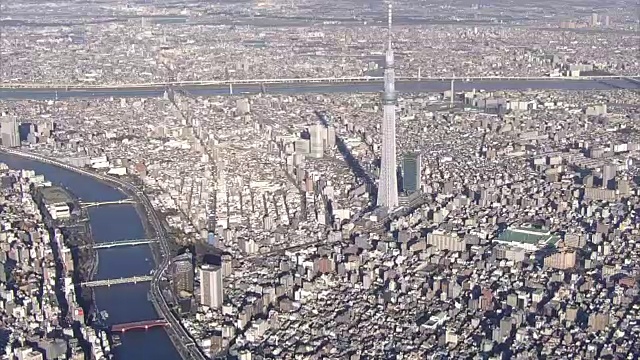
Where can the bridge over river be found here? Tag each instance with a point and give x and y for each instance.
(109, 282)
(144, 324)
(102, 203)
(118, 243)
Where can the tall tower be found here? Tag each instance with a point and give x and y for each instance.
(388, 187)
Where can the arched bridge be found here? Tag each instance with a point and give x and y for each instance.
(145, 324)
(101, 203)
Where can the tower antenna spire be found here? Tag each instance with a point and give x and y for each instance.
(389, 22)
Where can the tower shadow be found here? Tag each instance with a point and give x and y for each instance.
(635, 84)
(353, 163)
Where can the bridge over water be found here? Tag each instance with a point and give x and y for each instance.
(144, 324)
(111, 244)
(185, 344)
(109, 282)
(102, 203)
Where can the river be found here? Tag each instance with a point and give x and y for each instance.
(126, 302)
(412, 86)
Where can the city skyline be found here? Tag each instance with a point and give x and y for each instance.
(322, 180)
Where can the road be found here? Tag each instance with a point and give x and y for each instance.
(179, 336)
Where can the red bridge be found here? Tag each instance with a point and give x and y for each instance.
(145, 324)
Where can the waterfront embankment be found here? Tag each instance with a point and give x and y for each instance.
(126, 302)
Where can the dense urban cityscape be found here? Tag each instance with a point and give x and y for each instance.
(295, 179)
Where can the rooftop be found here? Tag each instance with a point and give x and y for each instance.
(528, 235)
(55, 194)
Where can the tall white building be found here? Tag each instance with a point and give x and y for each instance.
(242, 107)
(9, 132)
(211, 286)
(388, 186)
(331, 137)
(318, 138)
(608, 173)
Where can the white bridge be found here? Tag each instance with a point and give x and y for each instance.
(111, 244)
(101, 203)
(109, 282)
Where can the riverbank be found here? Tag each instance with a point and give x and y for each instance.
(149, 231)
(77, 235)
(183, 345)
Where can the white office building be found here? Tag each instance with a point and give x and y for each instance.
(211, 286)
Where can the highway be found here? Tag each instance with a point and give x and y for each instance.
(179, 336)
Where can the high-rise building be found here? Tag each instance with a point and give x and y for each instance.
(211, 238)
(242, 106)
(388, 186)
(594, 19)
(227, 265)
(302, 146)
(608, 174)
(331, 137)
(211, 286)
(182, 273)
(411, 165)
(318, 134)
(9, 131)
(562, 260)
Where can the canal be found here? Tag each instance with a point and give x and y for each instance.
(126, 302)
